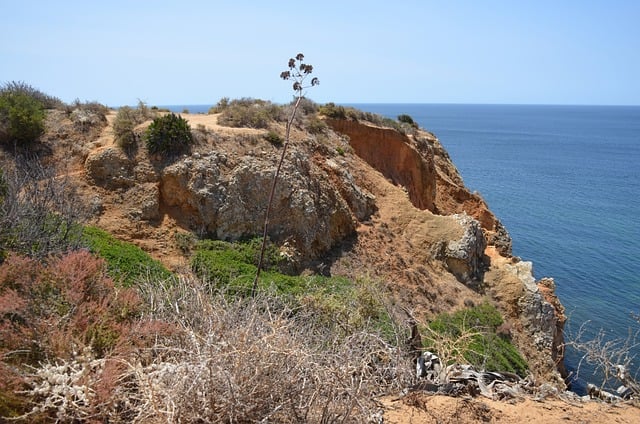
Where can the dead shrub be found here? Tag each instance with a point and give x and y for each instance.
(609, 362)
(256, 359)
(39, 214)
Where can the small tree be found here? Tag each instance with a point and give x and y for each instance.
(298, 72)
(21, 118)
(125, 122)
(407, 119)
(168, 134)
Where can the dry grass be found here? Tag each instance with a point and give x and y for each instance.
(233, 360)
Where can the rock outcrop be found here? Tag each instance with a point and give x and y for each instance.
(465, 257)
(392, 153)
(315, 206)
(110, 168)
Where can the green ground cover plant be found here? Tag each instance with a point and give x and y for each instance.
(126, 262)
(340, 304)
(472, 335)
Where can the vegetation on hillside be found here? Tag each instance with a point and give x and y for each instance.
(404, 124)
(476, 336)
(168, 134)
(125, 122)
(126, 262)
(247, 113)
(38, 213)
(21, 115)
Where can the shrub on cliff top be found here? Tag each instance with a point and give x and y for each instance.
(331, 110)
(21, 119)
(168, 134)
(126, 120)
(407, 119)
(247, 113)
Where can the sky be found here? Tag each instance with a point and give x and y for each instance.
(196, 52)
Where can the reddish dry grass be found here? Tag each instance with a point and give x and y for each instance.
(53, 312)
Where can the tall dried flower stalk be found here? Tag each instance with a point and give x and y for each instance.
(298, 72)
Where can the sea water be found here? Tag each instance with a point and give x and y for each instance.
(565, 182)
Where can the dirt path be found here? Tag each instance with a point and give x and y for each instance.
(424, 408)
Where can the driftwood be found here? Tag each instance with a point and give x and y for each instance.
(460, 379)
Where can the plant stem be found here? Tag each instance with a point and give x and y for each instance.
(272, 192)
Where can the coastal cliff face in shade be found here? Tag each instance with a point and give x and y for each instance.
(353, 199)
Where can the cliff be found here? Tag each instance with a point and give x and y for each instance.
(355, 199)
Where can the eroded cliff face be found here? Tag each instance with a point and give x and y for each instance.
(423, 167)
(393, 207)
(480, 258)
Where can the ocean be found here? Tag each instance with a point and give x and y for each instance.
(565, 182)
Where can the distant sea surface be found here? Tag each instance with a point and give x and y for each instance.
(565, 181)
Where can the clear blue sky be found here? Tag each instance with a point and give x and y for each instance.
(195, 52)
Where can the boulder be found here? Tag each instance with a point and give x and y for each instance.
(110, 168)
(465, 257)
(229, 200)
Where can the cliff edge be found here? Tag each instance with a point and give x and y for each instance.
(355, 198)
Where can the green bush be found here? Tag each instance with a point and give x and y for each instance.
(274, 138)
(486, 349)
(19, 87)
(126, 120)
(331, 110)
(169, 134)
(248, 113)
(126, 262)
(21, 118)
(407, 119)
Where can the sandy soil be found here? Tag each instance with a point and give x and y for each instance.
(425, 408)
